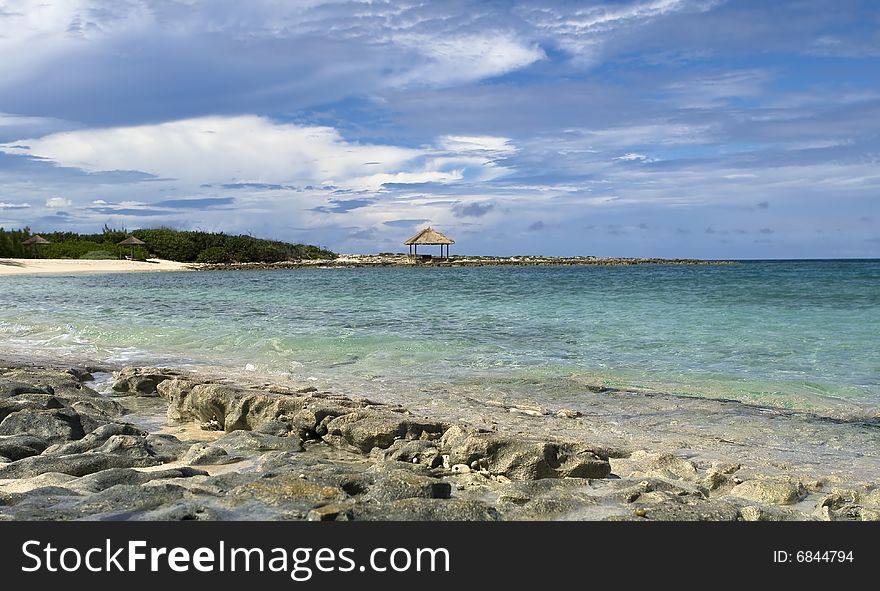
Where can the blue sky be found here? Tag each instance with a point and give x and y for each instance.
(675, 128)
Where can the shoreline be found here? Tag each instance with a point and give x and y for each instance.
(78, 266)
(234, 448)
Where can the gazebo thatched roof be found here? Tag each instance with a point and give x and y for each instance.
(35, 240)
(429, 236)
(132, 241)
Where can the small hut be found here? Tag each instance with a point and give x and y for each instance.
(132, 242)
(35, 242)
(430, 237)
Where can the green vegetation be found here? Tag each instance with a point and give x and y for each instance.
(165, 243)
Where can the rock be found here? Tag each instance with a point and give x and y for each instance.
(523, 460)
(331, 512)
(62, 424)
(288, 492)
(81, 374)
(544, 499)
(141, 381)
(420, 509)
(206, 454)
(105, 479)
(848, 505)
(16, 447)
(276, 428)
(397, 484)
(73, 464)
(10, 388)
(185, 511)
(756, 513)
(366, 429)
(254, 441)
(95, 439)
(422, 452)
(566, 413)
(663, 465)
(34, 381)
(664, 506)
(772, 491)
(124, 501)
(175, 391)
(461, 469)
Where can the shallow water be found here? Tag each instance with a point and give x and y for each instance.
(793, 334)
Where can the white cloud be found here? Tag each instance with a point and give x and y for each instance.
(634, 157)
(583, 29)
(218, 149)
(482, 143)
(5, 205)
(466, 58)
(255, 149)
(57, 202)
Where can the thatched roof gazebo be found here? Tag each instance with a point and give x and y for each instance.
(429, 236)
(34, 242)
(132, 242)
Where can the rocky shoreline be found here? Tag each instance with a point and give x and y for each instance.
(402, 260)
(164, 444)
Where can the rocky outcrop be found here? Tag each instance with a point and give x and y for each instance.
(777, 491)
(520, 459)
(278, 452)
(141, 381)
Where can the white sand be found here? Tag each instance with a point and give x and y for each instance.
(69, 266)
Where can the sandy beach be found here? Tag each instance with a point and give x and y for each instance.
(70, 266)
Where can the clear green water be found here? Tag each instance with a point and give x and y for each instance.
(798, 334)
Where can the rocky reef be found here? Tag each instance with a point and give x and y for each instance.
(267, 451)
(402, 260)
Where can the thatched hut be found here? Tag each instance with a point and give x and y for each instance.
(132, 242)
(430, 237)
(35, 242)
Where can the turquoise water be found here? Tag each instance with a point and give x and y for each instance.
(797, 334)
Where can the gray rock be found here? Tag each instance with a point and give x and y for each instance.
(396, 484)
(665, 506)
(207, 454)
(778, 491)
(81, 374)
(520, 459)
(48, 381)
(544, 499)
(108, 478)
(95, 439)
(141, 381)
(418, 509)
(276, 428)
(185, 511)
(125, 501)
(367, 429)
(10, 388)
(73, 464)
(62, 424)
(331, 512)
(756, 513)
(288, 492)
(425, 453)
(254, 441)
(16, 447)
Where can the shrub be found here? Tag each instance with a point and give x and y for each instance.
(99, 255)
(214, 254)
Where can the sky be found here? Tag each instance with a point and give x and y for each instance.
(669, 128)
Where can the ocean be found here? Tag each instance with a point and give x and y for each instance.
(801, 335)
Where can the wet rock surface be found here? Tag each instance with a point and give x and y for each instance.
(281, 452)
